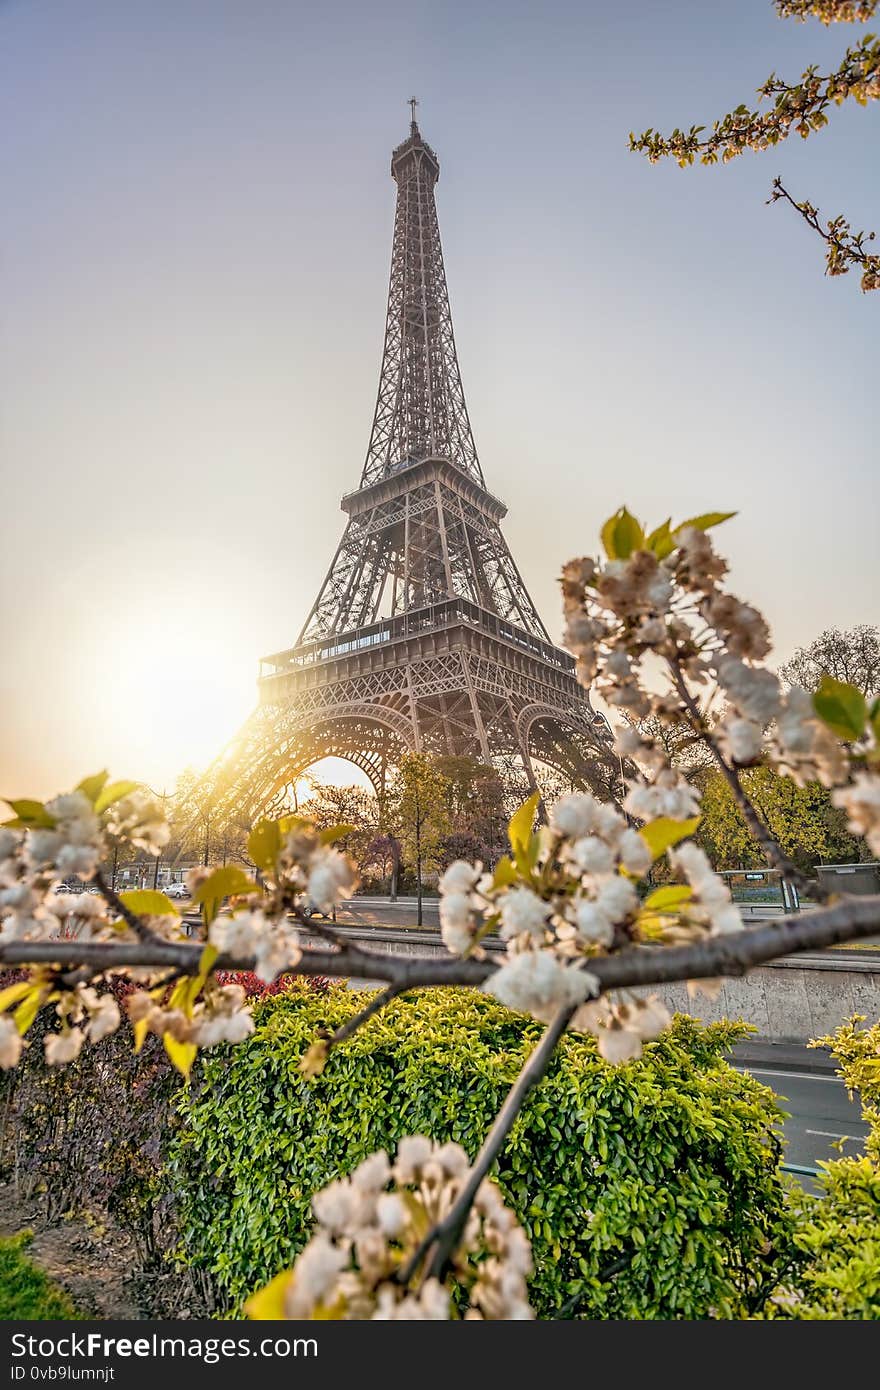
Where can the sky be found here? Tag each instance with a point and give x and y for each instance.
(194, 254)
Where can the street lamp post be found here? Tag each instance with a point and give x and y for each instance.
(163, 797)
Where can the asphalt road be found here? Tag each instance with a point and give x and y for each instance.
(819, 1113)
(402, 913)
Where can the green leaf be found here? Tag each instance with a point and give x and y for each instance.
(32, 814)
(268, 1304)
(115, 792)
(335, 832)
(29, 1007)
(505, 873)
(842, 707)
(519, 830)
(180, 1054)
(661, 834)
(669, 898)
(91, 786)
(704, 522)
(13, 993)
(222, 883)
(628, 535)
(661, 540)
(148, 902)
(621, 535)
(264, 844)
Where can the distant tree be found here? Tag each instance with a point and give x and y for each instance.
(852, 655)
(683, 751)
(802, 820)
(419, 809)
(476, 802)
(327, 804)
(801, 107)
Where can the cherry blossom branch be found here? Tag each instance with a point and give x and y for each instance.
(849, 919)
(845, 247)
(442, 1239)
(137, 923)
(760, 832)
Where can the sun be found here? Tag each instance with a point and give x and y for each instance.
(179, 692)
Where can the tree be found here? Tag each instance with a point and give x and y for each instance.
(852, 656)
(803, 821)
(419, 810)
(354, 806)
(580, 943)
(476, 802)
(797, 106)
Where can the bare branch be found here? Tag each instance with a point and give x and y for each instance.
(846, 248)
(137, 923)
(849, 919)
(442, 1239)
(769, 847)
(378, 1002)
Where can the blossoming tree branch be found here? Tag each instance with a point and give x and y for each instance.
(802, 106)
(425, 1233)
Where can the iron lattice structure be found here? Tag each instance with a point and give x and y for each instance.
(423, 635)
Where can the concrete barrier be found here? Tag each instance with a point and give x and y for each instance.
(790, 1000)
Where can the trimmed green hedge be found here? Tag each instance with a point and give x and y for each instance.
(25, 1292)
(647, 1191)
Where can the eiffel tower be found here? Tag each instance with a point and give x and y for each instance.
(423, 635)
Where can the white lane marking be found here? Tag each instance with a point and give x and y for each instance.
(800, 1075)
(831, 1134)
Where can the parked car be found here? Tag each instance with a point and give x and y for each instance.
(177, 890)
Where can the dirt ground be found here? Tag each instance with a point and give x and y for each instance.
(91, 1262)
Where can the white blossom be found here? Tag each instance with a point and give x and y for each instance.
(373, 1173)
(535, 982)
(618, 1045)
(331, 877)
(9, 842)
(390, 1214)
(104, 1018)
(456, 922)
(64, 1047)
(42, 847)
(217, 1028)
(574, 815)
(522, 911)
(861, 801)
(460, 877)
(592, 923)
(617, 899)
(635, 856)
(412, 1152)
(753, 690)
(592, 855)
(314, 1276)
(11, 1043)
(740, 739)
(651, 1018)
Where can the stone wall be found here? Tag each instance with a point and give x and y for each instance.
(789, 1000)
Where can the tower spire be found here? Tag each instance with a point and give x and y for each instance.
(420, 406)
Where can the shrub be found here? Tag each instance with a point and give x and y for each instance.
(647, 1191)
(837, 1235)
(25, 1292)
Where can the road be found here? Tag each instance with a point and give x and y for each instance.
(819, 1111)
(402, 912)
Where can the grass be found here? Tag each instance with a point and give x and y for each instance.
(25, 1292)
